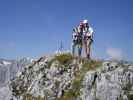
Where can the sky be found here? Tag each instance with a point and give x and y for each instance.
(33, 28)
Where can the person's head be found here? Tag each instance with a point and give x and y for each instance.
(85, 22)
(81, 24)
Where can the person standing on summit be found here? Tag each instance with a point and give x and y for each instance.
(77, 39)
(87, 38)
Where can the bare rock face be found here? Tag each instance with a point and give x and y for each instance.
(8, 70)
(5, 93)
(59, 76)
(113, 81)
(46, 78)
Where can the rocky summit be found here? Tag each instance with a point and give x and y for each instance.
(64, 77)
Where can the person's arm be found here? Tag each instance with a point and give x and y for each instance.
(91, 32)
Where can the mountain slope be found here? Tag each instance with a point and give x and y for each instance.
(64, 77)
(8, 70)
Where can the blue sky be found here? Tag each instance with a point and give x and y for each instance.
(34, 27)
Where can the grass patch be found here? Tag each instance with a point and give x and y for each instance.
(64, 58)
(70, 95)
(79, 75)
(50, 62)
(128, 89)
(30, 97)
(57, 83)
(130, 96)
(92, 65)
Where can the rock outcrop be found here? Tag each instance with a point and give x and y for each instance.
(113, 81)
(63, 77)
(8, 70)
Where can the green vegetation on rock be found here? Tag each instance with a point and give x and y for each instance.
(64, 61)
(64, 58)
(128, 89)
(30, 97)
(73, 93)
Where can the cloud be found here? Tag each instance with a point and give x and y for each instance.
(115, 53)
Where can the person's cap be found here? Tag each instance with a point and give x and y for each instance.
(85, 21)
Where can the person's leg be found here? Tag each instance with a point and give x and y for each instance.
(88, 48)
(79, 50)
(85, 46)
(80, 47)
(88, 54)
(73, 49)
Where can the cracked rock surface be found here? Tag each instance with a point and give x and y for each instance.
(54, 78)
